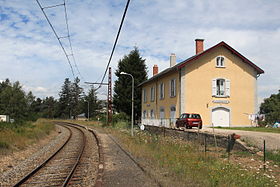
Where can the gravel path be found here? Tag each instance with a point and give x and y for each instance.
(120, 170)
(252, 138)
(15, 166)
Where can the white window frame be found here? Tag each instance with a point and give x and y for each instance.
(226, 87)
(152, 93)
(220, 62)
(144, 96)
(172, 90)
(161, 91)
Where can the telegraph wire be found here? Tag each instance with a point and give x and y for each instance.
(116, 40)
(69, 39)
(56, 35)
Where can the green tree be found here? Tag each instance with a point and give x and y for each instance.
(49, 106)
(13, 101)
(271, 108)
(135, 65)
(65, 100)
(93, 103)
(76, 99)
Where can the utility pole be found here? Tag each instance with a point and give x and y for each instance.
(109, 102)
(109, 97)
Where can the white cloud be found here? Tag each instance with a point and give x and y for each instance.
(30, 53)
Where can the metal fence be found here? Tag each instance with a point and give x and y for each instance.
(163, 122)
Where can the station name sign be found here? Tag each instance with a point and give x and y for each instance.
(221, 101)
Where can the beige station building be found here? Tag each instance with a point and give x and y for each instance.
(219, 83)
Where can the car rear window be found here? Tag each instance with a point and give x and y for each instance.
(194, 116)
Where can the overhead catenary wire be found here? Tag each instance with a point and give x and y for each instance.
(56, 35)
(69, 39)
(115, 43)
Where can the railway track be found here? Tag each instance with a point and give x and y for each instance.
(67, 166)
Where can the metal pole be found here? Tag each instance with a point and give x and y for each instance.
(132, 105)
(264, 159)
(88, 111)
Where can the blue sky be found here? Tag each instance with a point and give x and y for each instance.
(30, 53)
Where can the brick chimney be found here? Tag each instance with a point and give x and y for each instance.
(155, 70)
(199, 46)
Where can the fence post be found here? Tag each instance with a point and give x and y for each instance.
(228, 148)
(205, 145)
(264, 158)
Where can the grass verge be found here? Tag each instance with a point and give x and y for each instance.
(184, 164)
(15, 137)
(274, 156)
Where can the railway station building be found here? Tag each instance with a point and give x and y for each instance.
(219, 83)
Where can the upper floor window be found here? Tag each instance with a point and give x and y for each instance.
(173, 88)
(152, 93)
(161, 91)
(220, 87)
(144, 96)
(220, 61)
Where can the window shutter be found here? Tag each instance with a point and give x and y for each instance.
(170, 89)
(227, 87)
(162, 90)
(175, 88)
(214, 87)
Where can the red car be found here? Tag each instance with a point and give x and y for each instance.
(189, 120)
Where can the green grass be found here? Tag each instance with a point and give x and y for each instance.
(275, 156)
(258, 129)
(183, 162)
(15, 136)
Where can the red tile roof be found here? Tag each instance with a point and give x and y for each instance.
(245, 60)
(191, 59)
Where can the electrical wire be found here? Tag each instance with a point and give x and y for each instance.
(116, 40)
(69, 39)
(56, 35)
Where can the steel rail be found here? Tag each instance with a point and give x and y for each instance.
(101, 164)
(28, 176)
(67, 180)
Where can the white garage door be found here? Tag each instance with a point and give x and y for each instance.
(220, 117)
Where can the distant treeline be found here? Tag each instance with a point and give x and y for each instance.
(22, 106)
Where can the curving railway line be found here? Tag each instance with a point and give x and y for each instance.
(67, 166)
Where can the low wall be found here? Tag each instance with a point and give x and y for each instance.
(222, 141)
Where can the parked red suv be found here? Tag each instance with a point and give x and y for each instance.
(189, 120)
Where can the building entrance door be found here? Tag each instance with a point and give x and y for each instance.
(220, 117)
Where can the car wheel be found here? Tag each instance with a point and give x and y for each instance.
(200, 126)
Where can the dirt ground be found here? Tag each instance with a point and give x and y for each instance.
(251, 138)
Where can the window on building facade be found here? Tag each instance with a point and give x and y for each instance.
(144, 96)
(161, 91)
(221, 87)
(152, 114)
(153, 93)
(161, 113)
(220, 61)
(173, 88)
(144, 114)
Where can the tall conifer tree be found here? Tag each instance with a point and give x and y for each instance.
(135, 65)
